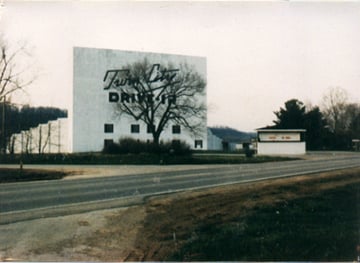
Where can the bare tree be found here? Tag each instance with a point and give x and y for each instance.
(12, 73)
(159, 95)
(352, 119)
(28, 142)
(11, 145)
(47, 142)
(43, 138)
(343, 118)
(13, 77)
(334, 108)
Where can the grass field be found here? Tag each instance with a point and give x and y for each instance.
(305, 218)
(323, 227)
(8, 175)
(134, 159)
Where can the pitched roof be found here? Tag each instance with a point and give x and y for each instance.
(232, 135)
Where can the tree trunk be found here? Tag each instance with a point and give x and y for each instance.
(156, 138)
(40, 138)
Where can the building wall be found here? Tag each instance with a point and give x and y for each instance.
(281, 148)
(92, 108)
(217, 144)
(51, 137)
(214, 142)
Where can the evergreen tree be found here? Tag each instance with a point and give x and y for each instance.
(295, 116)
(292, 116)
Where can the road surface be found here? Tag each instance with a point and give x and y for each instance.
(30, 200)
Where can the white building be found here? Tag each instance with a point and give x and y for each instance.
(281, 142)
(228, 139)
(93, 121)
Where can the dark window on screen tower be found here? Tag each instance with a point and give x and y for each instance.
(198, 144)
(108, 142)
(176, 129)
(150, 128)
(108, 128)
(135, 128)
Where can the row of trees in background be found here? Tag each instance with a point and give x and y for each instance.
(332, 126)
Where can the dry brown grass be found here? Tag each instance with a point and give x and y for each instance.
(171, 220)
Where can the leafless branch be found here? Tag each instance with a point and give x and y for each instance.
(169, 98)
(11, 74)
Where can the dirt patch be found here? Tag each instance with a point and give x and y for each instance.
(103, 235)
(155, 230)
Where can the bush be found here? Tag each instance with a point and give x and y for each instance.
(177, 147)
(249, 152)
(132, 146)
(112, 148)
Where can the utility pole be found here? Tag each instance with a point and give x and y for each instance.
(59, 135)
(3, 142)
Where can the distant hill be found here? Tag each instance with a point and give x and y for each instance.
(232, 135)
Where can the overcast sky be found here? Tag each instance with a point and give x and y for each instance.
(259, 54)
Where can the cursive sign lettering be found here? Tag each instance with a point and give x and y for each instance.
(156, 82)
(157, 75)
(121, 77)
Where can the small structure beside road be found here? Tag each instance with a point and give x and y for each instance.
(281, 141)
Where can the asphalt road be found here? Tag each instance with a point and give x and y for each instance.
(30, 200)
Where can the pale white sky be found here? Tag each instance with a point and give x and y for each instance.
(259, 54)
